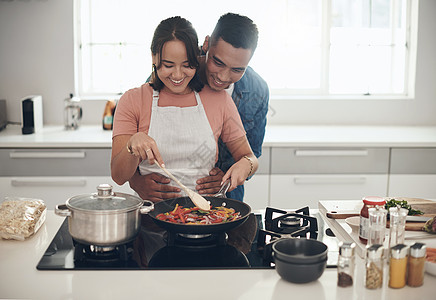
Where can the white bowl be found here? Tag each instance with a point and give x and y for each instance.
(430, 267)
(354, 223)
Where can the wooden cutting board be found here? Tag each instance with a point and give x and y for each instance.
(426, 206)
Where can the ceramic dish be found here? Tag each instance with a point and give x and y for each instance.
(354, 223)
(430, 268)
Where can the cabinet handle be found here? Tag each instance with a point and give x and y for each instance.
(60, 154)
(48, 182)
(331, 152)
(330, 180)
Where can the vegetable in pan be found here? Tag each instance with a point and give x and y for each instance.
(194, 215)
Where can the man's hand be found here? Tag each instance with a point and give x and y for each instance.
(210, 184)
(153, 187)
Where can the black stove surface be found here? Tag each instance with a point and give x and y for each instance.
(157, 250)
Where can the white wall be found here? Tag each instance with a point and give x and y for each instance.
(36, 57)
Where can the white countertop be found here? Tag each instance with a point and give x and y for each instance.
(276, 136)
(19, 278)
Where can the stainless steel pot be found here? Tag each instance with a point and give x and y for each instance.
(104, 218)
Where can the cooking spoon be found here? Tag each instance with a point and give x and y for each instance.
(198, 200)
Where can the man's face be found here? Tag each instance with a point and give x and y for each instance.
(225, 64)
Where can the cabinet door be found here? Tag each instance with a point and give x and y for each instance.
(257, 191)
(55, 190)
(299, 190)
(412, 185)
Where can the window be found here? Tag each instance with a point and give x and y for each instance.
(306, 47)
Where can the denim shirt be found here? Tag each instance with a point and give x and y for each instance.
(251, 96)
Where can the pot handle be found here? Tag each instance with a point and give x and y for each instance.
(62, 210)
(223, 190)
(147, 206)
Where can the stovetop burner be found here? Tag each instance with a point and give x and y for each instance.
(155, 249)
(281, 224)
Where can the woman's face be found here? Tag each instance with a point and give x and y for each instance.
(175, 72)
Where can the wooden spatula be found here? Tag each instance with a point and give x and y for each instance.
(198, 200)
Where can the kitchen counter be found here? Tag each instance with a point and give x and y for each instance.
(21, 279)
(276, 136)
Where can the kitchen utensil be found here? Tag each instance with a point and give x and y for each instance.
(335, 215)
(377, 225)
(72, 113)
(215, 201)
(299, 260)
(198, 200)
(104, 218)
(397, 225)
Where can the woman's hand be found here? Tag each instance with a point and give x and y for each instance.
(142, 145)
(241, 170)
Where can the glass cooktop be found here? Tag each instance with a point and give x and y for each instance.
(151, 250)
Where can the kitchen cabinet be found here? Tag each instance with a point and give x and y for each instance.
(54, 175)
(303, 176)
(257, 188)
(413, 173)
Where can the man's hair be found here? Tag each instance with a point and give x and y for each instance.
(176, 28)
(237, 30)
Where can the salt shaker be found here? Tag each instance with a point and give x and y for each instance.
(377, 225)
(397, 225)
(374, 266)
(415, 265)
(346, 264)
(398, 266)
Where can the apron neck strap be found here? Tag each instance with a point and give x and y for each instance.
(156, 98)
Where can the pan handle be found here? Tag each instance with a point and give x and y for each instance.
(223, 190)
(147, 206)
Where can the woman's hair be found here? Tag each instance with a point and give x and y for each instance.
(176, 28)
(239, 31)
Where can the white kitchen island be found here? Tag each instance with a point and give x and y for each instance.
(19, 279)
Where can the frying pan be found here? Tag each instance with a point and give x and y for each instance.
(168, 205)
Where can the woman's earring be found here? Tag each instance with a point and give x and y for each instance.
(153, 68)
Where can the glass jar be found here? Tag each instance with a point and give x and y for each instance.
(397, 225)
(346, 264)
(368, 202)
(398, 266)
(415, 265)
(374, 266)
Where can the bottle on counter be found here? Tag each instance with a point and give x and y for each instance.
(346, 264)
(368, 202)
(374, 266)
(108, 115)
(398, 266)
(377, 225)
(397, 225)
(416, 264)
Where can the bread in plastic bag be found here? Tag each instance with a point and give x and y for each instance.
(20, 218)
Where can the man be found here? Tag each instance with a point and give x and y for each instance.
(224, 67)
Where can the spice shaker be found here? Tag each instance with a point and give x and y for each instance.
(346, 264)
(415, 265)
(377, 225)
(398, 266)
(368, 202)
(397, 225)
(374, 266)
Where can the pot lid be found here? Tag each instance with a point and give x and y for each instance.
(105, 200)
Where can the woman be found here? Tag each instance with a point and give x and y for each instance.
(175, 120)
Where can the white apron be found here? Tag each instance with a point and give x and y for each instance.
(185, 141)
